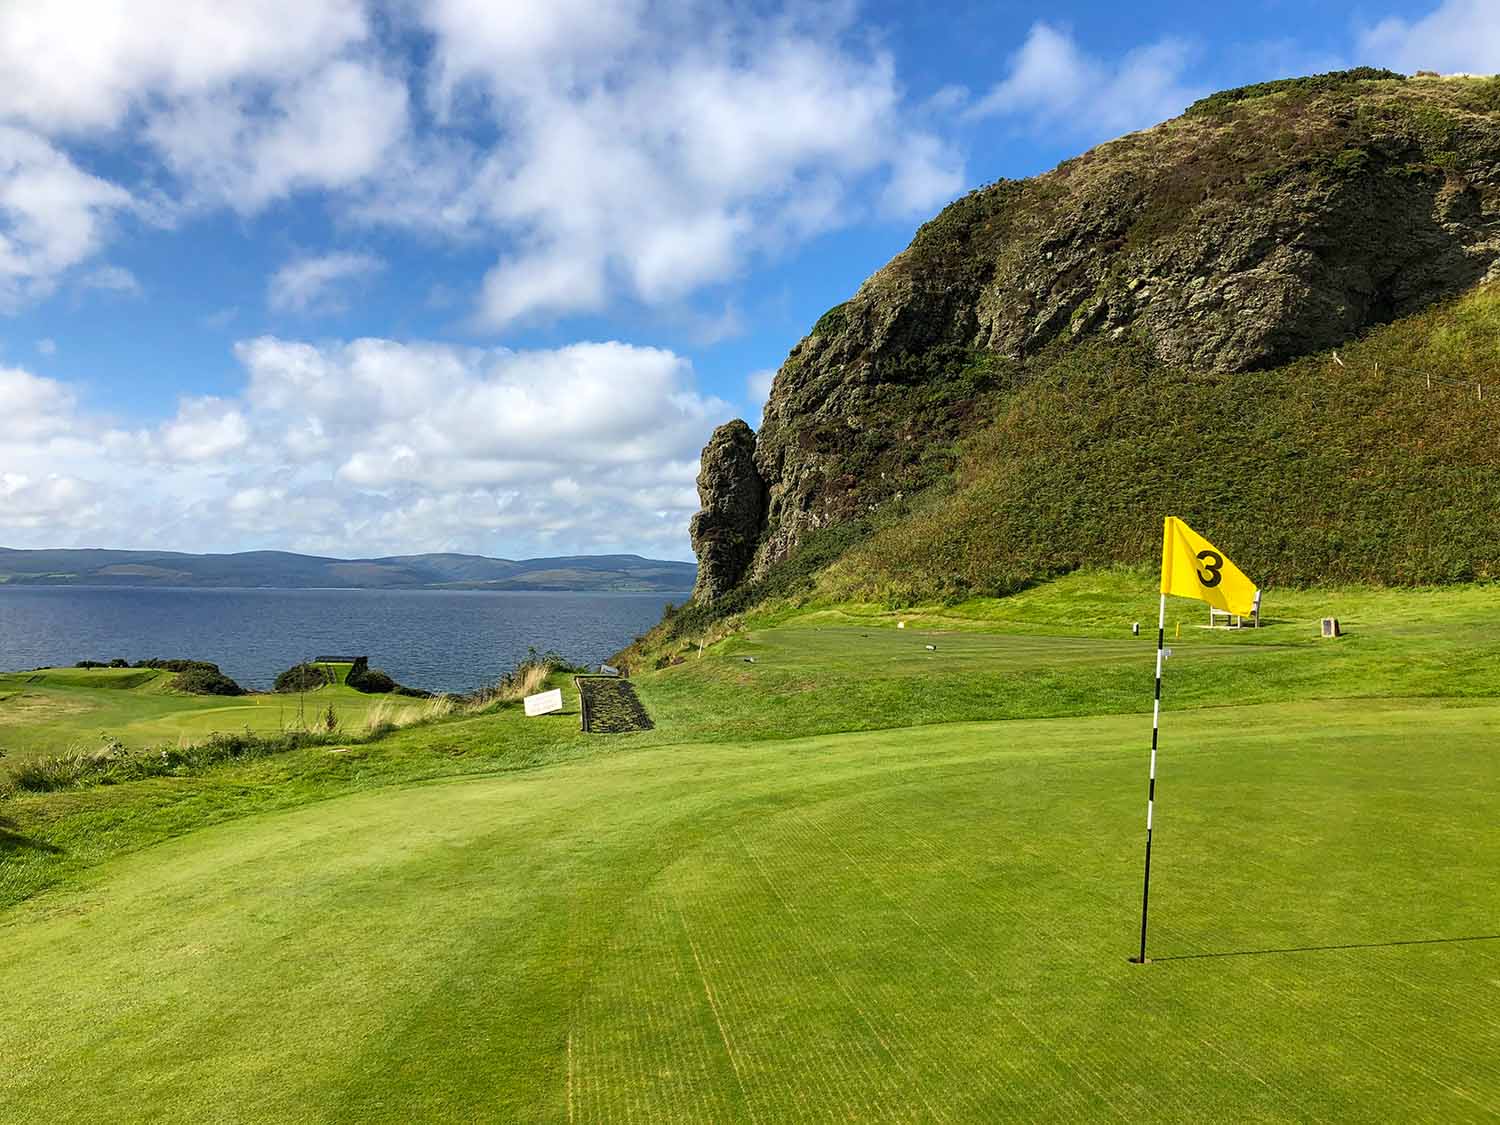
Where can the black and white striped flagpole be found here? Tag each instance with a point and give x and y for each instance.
(1161, 638)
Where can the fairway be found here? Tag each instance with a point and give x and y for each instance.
(916, 924)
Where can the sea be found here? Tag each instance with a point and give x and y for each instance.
(441, 640)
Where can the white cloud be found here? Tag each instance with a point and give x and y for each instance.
(758, 389)
(646, 153)
(243, 103)
(204, 429)
(1455, 36)
(328, 129)
(428, 414)
(72, 70)
(315, 284)
(53, 215)
(112, 279)
(605, 150)
(1053, 83)
(374, 446)
(32, 407)
(46, 502)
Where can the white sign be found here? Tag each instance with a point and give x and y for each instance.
(544, 704)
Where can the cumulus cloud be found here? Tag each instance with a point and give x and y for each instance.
(609, 150)
(73, 73)
(1455, 36)
(1053, 83)
(242, 104)
(374, 446)
(329, 129)
(204, 429)
(32, 407)
(316, 284)
(648, 153)
(53, 215)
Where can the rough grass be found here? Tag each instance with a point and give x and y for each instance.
(56, 712)
(1361, 469)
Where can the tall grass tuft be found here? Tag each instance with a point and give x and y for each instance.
(526, 678)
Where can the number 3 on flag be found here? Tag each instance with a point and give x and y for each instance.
(1212, 567)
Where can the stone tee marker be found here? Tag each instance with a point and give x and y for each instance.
(545, 703)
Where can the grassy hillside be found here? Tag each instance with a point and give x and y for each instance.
(1378, 463)
(1358, 468)
(751, 913)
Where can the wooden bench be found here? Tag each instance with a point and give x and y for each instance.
(1234, 620)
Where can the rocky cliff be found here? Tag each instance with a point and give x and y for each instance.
(1264, 224)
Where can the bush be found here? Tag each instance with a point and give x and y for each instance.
(206, 680)
(303, 677)
(371, 681)
(173, 665)
(1310, 85)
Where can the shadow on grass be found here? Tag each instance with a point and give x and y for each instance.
(12, 841)
(1325, 948)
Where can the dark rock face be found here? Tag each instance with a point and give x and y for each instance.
(733, 496)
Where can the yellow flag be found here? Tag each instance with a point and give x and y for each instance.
(1192, 567)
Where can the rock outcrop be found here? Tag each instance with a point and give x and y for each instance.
(1263, 224)
(733, 496)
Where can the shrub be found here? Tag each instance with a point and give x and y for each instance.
(371, 681)
(1310, 85)
(174, 665)
(303, 677)
(113, 763)
(206, 679)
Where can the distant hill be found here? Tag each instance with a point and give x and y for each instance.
(281, 569)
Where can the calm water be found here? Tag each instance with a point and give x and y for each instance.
(444, 640)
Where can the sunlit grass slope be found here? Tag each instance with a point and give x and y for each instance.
(831, 884)
(917, 924)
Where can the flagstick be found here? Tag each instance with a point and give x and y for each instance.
(1161, 636)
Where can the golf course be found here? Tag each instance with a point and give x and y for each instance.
(868, 865)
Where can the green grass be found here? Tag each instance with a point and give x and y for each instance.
(832, 883)
(56, 710)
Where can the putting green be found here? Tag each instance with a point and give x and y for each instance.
(914, 924)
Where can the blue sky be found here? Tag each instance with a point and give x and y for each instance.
(359, 278)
